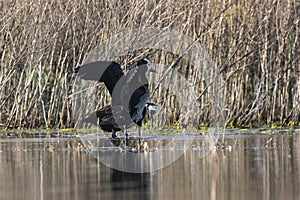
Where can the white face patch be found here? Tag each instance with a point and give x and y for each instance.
(149, 66)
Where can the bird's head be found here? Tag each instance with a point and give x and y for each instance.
(147, 63)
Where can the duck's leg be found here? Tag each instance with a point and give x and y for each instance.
(151, 121)
(125, 136)
(139, 132)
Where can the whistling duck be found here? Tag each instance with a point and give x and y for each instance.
(129, 93)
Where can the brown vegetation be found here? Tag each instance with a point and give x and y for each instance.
(41, 42)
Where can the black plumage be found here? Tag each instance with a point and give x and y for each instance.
(129, 93)
(105, 119)
(108, 72)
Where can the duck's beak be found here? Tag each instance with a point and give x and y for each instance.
(149, 66)
(151, 69)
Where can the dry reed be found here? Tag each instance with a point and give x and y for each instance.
(257, 42)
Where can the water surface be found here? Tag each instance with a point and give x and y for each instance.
(252, 165)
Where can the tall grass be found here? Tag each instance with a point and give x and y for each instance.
(41, 42)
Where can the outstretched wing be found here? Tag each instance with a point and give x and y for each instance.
(108, 72)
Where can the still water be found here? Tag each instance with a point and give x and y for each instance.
(252, 165)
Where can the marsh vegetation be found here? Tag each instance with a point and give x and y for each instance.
(254, 44)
